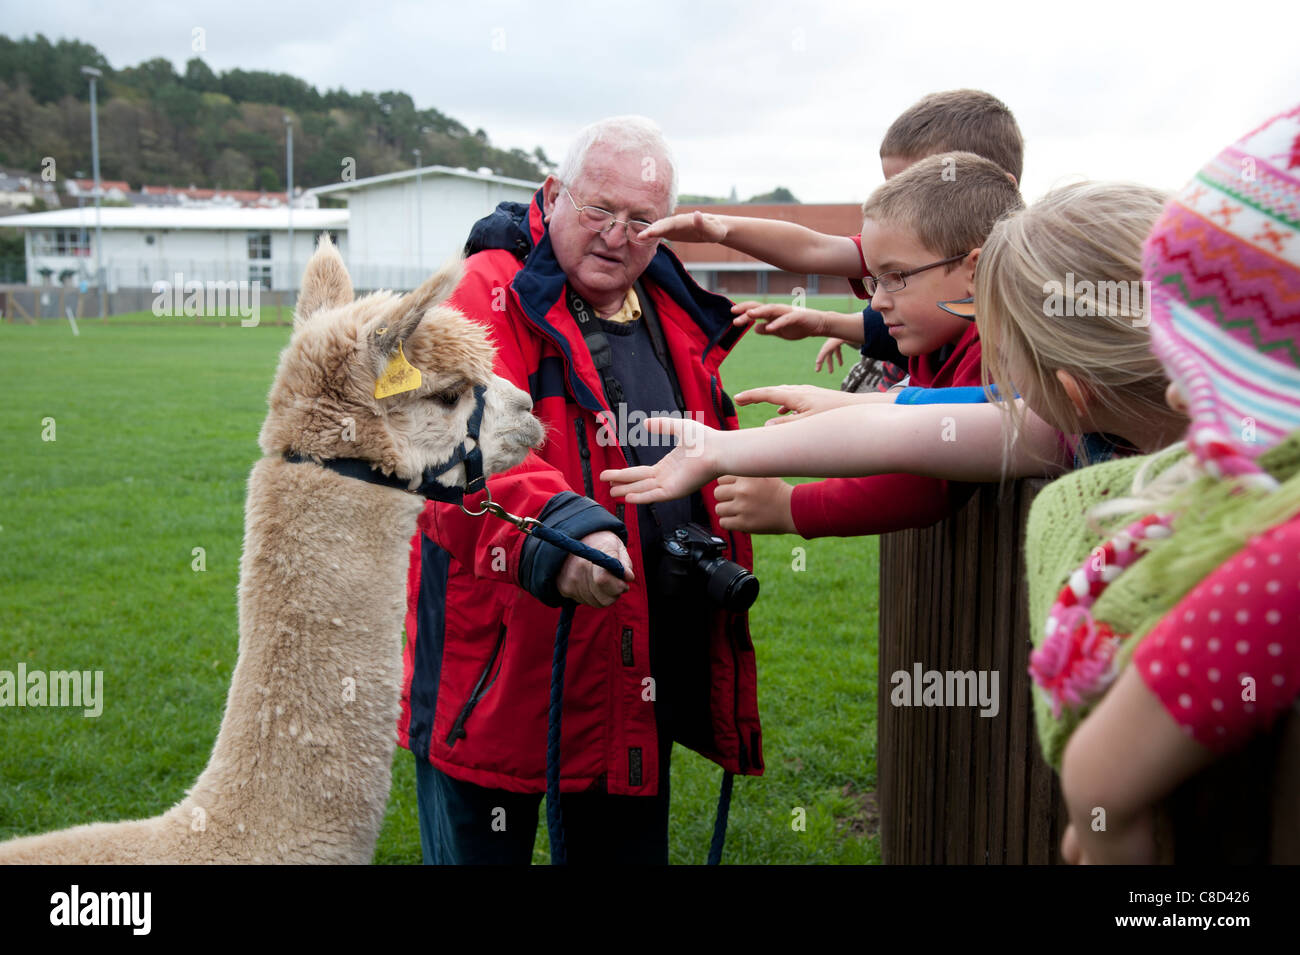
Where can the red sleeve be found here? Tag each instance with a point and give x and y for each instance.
(1225, 662)
(859, 289)
(852, 507)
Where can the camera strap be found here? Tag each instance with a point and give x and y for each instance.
(602, 356)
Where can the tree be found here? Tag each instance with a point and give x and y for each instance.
(233, 170)
(268, 179)
(200, 78)
(778, 195)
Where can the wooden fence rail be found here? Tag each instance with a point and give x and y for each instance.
(958, 787)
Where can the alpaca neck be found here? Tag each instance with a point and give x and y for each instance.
(311, 716)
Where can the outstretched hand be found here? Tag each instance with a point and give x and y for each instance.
(686, 227)
(830, 354)
(796, 401)
(685, 469)
(783, 321)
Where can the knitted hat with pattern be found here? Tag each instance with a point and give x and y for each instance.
(1223, 267)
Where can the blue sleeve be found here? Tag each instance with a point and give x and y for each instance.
(540, 561)
(877, 343)
(969, 395)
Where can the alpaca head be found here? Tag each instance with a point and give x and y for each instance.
(323, 402)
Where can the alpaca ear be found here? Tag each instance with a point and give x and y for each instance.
(406, 314)
(325, 282)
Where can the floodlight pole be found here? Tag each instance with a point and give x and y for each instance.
(419, 219)
(288, 125)
(94, 74)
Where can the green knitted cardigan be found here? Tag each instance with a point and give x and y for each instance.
(1211, 524)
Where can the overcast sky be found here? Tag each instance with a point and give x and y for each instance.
(750, 94)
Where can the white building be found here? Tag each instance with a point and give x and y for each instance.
(403, 225)
(145, 245)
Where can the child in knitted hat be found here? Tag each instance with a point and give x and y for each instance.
(1201, 588)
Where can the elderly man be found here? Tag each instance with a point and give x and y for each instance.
(599, 328)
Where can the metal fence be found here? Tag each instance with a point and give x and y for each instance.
(33, 303)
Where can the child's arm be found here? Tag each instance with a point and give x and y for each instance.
(787, 245)
(796, 402)
(954, 442)
(1219, 667)
(1123, 759)
(794, 324)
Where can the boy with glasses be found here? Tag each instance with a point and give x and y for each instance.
(920, 241)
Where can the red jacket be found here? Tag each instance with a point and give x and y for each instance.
(848, 507)
(480, 638)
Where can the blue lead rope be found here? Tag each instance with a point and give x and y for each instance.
(554, 814)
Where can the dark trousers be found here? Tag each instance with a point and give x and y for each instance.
(465, 824)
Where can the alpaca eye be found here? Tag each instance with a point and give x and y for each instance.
(448, 399)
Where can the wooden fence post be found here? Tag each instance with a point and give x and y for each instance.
(957, 787)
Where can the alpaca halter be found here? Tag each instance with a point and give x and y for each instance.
(429, 487)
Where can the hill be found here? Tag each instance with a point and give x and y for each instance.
(221, 130)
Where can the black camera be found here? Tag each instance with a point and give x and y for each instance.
(694, 562)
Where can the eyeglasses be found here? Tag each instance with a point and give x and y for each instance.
(598, 220)
(896, 281)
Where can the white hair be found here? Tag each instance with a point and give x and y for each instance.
(622, 133)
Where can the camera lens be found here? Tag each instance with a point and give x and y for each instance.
(730, 586)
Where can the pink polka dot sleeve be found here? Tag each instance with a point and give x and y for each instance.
(1225, 662)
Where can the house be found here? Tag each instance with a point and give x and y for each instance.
(109, 189)
(403, 225)
(19, 190)
(193, 197)
(734, 274)
(144, 245)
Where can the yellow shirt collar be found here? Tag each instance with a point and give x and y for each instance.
(630, 311)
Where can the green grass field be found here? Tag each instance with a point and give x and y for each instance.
(154, 426)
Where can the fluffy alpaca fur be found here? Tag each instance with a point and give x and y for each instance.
(300, 771)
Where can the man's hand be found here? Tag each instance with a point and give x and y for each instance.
(783, 321)
(830, 354)
(590, 584)
(686, 227)
(755, 505)
(688, 467)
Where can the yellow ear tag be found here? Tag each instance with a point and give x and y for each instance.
(399, 376)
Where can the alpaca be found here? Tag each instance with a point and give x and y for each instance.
(300, 771)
